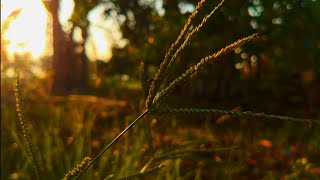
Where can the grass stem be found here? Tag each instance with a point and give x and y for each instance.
(112, 142)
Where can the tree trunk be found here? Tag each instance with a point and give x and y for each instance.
(69, 67)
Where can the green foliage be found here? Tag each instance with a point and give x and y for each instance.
(63, 142)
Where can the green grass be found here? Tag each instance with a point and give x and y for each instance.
(64, 136)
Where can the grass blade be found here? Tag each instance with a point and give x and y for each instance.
(112, 142)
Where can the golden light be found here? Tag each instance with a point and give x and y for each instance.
(26, 33)
(98, 46)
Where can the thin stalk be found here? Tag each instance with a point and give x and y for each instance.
(112, 142)
(247, 114)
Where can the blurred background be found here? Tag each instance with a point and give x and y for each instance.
(80, 66)
(76, 47)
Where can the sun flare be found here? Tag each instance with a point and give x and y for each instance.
(27, 32)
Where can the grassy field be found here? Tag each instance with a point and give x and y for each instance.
(180, 146)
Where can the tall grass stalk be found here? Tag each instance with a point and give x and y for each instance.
(23, 124)
(189, 37)
(167, 66)
(155, 84)
(194, 69)
(175, 49)
(77, 169)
